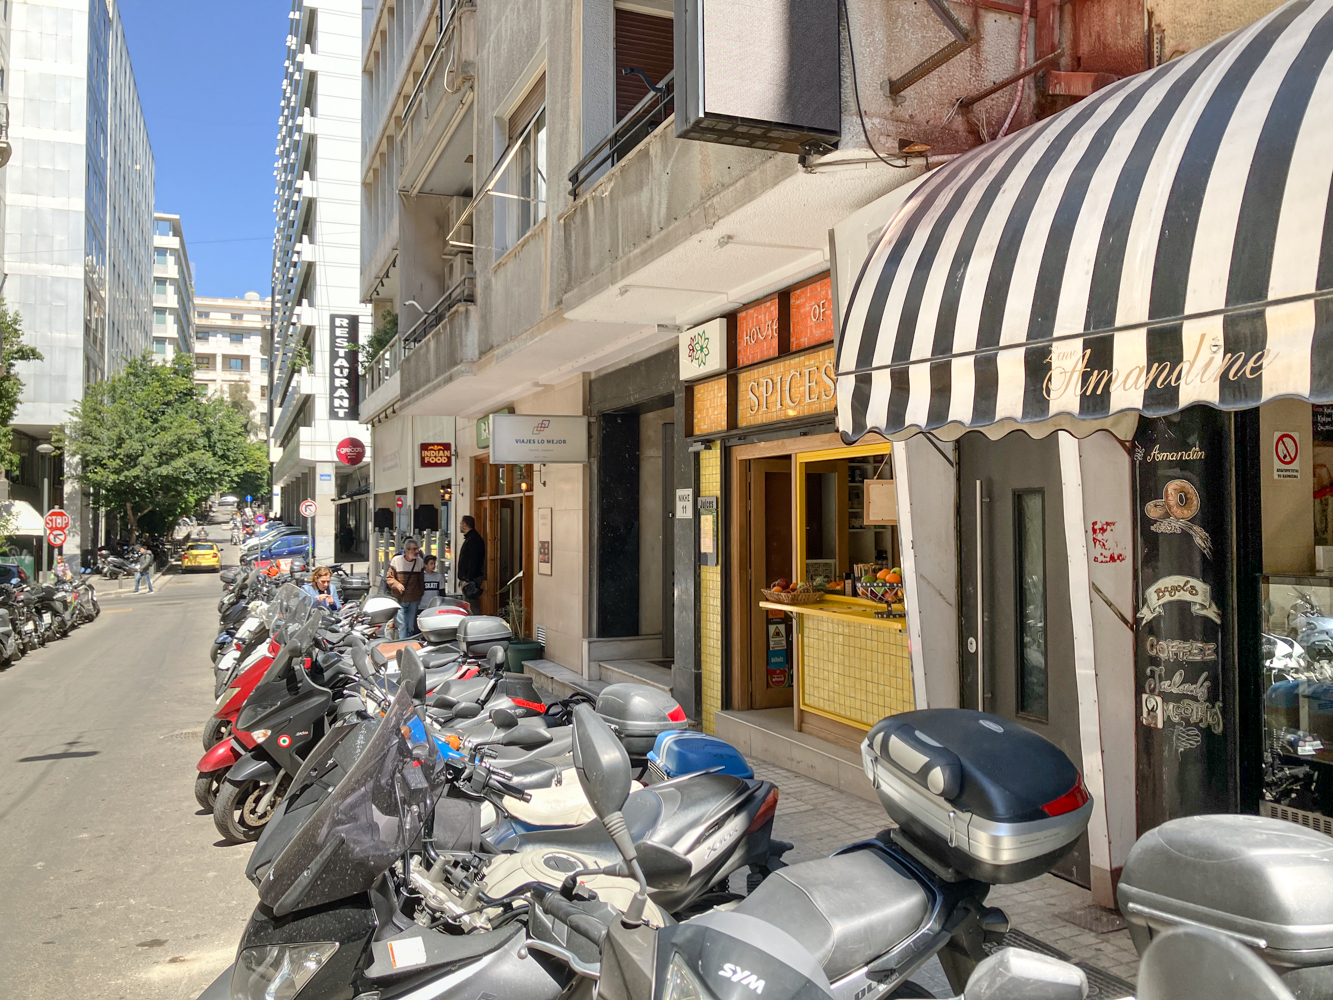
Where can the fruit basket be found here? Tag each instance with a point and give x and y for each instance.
(792, 596)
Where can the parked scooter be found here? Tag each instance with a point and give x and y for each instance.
(113, 566)
(56, 607)
(11, 648)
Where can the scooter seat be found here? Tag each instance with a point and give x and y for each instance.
(848, 910)
(533, 773)
(663, 813)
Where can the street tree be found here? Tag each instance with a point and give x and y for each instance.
(12, 351)
(149, 440)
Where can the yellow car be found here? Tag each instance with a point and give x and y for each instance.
(201, 555)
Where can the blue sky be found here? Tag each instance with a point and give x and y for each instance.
(210, 77)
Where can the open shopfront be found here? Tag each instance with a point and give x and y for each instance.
(1080, 326)
(797, 534)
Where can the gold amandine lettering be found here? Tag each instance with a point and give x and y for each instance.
(1165, 368)
(1259, 362)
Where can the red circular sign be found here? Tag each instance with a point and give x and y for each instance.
(399, 502)
(1287, 449)
(57, 520)
(56, 537)
(308, 508)
(351, 451)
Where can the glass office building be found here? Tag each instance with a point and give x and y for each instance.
(78, 245)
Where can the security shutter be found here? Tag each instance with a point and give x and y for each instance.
(527, 108)
(643, 42)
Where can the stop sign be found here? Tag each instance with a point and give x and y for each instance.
(351, 451)
(57, 520)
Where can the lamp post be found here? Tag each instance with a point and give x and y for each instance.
(45, 449)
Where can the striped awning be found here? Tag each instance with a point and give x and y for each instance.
(1164, 242)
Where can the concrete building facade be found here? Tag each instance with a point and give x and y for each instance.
(173, 289)
(78, 243)
(233, 342)
(318, 317)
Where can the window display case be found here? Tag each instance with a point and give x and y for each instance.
(1298, 699)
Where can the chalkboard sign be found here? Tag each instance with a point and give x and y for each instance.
(1182, 486)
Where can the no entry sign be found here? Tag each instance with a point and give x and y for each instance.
(399, 503)
(1286, 455)
(308, 508)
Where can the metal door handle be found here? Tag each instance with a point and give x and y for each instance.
(981, 614)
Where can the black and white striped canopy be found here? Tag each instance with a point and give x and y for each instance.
(1164, 242)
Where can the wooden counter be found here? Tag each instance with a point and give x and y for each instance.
(847, 612)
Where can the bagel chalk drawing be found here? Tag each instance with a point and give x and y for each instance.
(1174, 513)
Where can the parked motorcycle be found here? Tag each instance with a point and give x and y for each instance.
(113, 566)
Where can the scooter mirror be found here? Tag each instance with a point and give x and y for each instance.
(467, 710)
(525, 737)
(412, 673)
(1016, 974)
(502, 718)
(601, 762)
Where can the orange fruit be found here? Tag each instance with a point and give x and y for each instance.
(893, 577)
(882, 575)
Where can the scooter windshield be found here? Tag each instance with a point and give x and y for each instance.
(367, 823)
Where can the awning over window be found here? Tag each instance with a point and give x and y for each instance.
(1164, 242)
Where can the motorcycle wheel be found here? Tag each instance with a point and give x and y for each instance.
(234, 812)
(206, 787)
(61, 627)
(215, 731)
(909, 990)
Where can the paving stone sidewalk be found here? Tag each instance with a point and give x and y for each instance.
(818, 819)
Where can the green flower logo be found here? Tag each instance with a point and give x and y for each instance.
(697, 351)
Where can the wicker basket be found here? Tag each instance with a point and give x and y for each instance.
(808, 597)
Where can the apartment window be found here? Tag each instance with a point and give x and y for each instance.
(238, 316)
(202, 335)
(161, 227)
(204, 362)
(203, 314)
(159, 346)
(159, 317)
(159, 286)
(263, 390)
(520, 194)
(263, 364)
(236, 364)
(160, 258)
(238, 338)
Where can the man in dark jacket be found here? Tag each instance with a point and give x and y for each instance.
(471, 560)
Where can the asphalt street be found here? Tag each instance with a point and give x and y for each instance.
(112, 882)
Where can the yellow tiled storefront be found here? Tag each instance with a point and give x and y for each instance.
(710, 598)
(854, 673)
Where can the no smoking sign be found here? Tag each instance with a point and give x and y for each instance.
(1286, 455)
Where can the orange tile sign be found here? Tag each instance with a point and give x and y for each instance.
(812, 314)
(757, 332)
(795, 386)
(710, 406)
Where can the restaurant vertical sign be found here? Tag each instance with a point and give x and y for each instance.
(1182, 468)
(343, 386)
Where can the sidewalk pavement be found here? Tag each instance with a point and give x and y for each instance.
(819, 819)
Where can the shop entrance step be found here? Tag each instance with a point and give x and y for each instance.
(768, 734)
(552, 679)
(654, 673)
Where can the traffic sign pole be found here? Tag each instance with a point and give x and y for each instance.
(309, 508)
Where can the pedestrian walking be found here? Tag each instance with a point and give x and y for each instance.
(143, 569)
(322, 589)
(433, 583)
(472, 561)
(407, 581)
(63, 573)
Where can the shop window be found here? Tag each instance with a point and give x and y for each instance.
(845, 529)
(1030, 608)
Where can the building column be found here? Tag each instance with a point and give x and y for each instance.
(326, 519)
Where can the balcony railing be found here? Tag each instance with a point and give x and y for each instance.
(390, 358)
(655, 108)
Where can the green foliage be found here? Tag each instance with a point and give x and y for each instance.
(300, 358)
(255, 476)
(148, 440)
(12, 351)
(379, 340)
